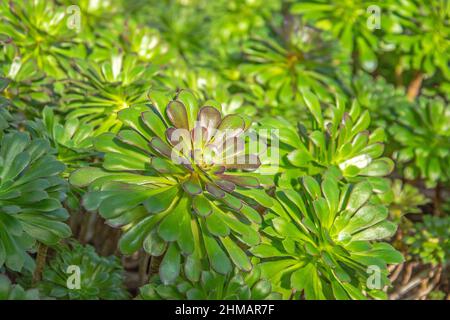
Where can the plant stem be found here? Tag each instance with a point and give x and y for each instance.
(154, 264)
(399, 75)
(40, 263)
(143, 267)
(414, 86)
(437, 200)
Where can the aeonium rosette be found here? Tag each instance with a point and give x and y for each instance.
(181, 181)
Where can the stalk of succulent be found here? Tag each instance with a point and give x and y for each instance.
(99, 277)
(336, 140)
(319, 242)
(178, 185)
(212, 286)
(31, 192)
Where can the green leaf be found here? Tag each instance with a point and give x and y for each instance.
(177, 114)
(192, 185)
(133, 238)
(379, 168)
(313, 105)
(331, 193)
(169, 228)
(322, 211)
(259, 195)
(131, 197)
(261, 289)
(299, 157)
(186, 238)
(216, 226)
(218, 259)
(201, 205)
(312, 187)
(386, 252)
(381, 230)
(154, 123)
(238, 256)
(188, 99)
(161, 200)
(366, 217)
(170, 265)
(232, 122)
(154, 245)
(306, 279)
(359, 195)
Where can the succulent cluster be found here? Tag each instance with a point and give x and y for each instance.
(99, 277)
(104, 89)
(336, 139)
(403, 198)
(429, 121)
(319, 244)
(213, 286)
(429, 241)
(9, 291)
(173, 177)
(31, 192)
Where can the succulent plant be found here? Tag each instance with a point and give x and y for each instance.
(30, 202)
(429, 240)
(337, 140)
(39, 31)
(72, 140)
(9, 291)
(354, 23)
(403, 198)
(319, 241)
(184, 193)
(93, 17)
(212, 286)
(437, 295)
(423, 132)
(422, 35)
(286, 67)
(100, 277)
(181, 24)
(142, 41)
(207, 84)
(234, 21)
(27, 88)
(382, 99)
(105, 89)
